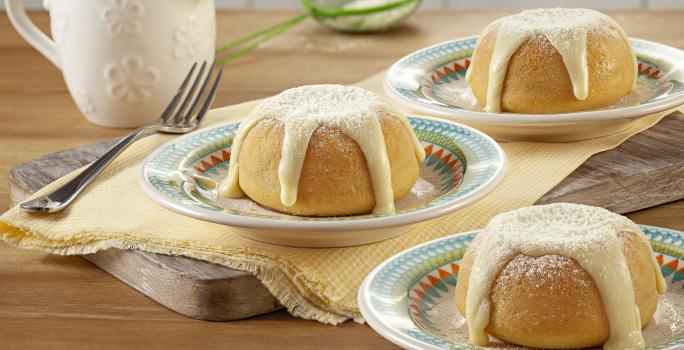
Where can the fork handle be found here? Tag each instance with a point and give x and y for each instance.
(63, 196)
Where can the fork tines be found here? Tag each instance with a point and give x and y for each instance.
(185, 115)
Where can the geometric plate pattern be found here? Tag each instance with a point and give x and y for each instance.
(408, 285)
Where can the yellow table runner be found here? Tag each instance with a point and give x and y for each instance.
(319, 284)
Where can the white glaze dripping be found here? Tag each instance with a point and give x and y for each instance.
(353, 111)
(586, 234)
(566, 29)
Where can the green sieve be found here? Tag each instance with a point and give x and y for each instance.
(355, 16)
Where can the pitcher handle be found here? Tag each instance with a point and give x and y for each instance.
(22, 23)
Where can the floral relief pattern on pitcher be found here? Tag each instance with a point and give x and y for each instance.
(123, 17)
(84, 102)
(189, 39)
(130, 80)
(120, 54)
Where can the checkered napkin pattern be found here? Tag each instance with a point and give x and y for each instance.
(319, 284)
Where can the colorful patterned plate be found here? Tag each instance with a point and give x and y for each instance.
(408, 299)
(432, 80)
(462, 165)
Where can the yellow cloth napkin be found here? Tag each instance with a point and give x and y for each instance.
(318, 284)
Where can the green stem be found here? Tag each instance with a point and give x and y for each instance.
(265, 34)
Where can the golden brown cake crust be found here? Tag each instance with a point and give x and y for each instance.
(334, 180)
(550, 301)
(537, 80)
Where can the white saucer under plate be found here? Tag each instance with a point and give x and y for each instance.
(432, 81)
(409, 298)
(462, 166)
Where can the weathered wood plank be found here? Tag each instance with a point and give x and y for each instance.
(646, 170)
(188, 286)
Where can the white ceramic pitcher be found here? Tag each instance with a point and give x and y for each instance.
(122, 60)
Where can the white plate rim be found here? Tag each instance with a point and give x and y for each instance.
(363, 300)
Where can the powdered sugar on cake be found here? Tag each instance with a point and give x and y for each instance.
(540, 271)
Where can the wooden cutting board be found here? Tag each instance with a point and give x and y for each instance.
(646, 170)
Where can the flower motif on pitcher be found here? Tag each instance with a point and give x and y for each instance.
(131, 79)
(189, 39)
(123, 17)
(84, 102)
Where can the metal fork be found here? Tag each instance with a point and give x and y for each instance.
(182, 121)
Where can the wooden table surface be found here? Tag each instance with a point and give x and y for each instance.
(64, 302)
